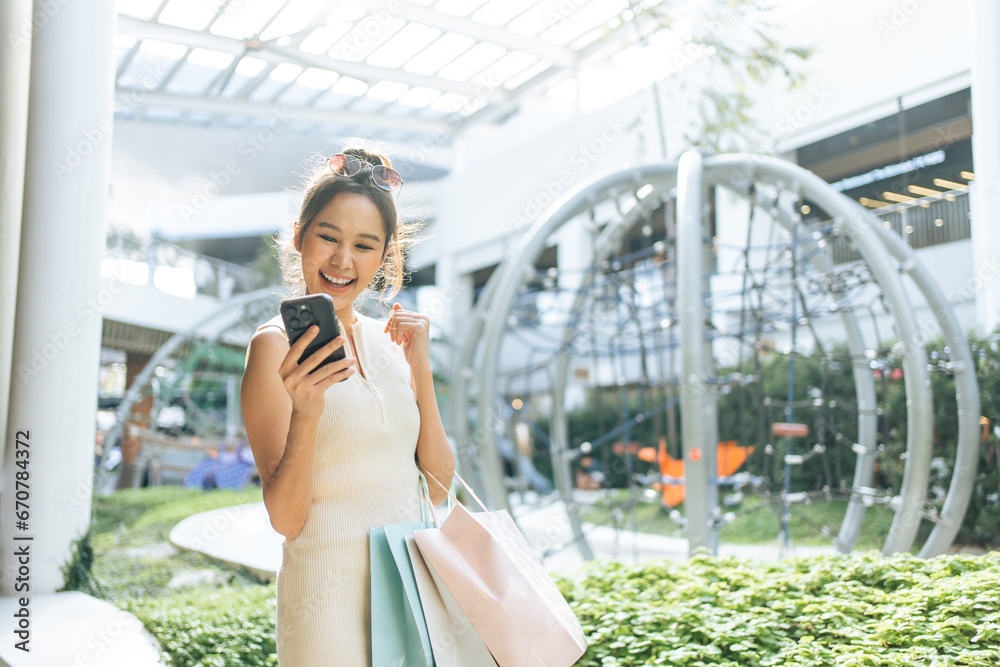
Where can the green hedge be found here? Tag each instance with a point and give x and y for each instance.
(828, 610)
(229, 627)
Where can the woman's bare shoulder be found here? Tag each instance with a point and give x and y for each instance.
(269, 342)
(274, 323)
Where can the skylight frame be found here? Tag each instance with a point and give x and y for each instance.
(513, 82)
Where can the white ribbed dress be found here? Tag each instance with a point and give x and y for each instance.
(364, 476)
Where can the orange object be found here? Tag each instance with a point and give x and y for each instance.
(790, 430)
(729, 457)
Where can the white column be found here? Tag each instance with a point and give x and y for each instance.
(986, 154)
(15, 63)
(57, 328)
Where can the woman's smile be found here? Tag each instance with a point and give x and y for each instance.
(336, 283)
(343, 249)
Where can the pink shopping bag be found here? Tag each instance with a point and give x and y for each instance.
(491, 571)
(454, 641)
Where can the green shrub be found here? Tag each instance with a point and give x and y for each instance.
(78, 570)
(826, 610)
(228, 627)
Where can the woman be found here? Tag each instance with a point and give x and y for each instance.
(338, 450)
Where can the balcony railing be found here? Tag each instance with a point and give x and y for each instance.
(173, 269)
(922, 223)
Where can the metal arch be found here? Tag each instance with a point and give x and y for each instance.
(234, 307)
(462, 374)
(490, 314)
(731, 171)
(966, 396)
(607, 241)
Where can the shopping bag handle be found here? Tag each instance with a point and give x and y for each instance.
(450, 494)
(426, 508)
(425, 498)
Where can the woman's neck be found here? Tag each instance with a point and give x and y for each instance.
(346, 318)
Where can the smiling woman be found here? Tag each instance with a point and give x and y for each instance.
(342, 250)
(338, 446)
(377, 216)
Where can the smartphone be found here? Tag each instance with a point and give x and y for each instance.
(302, 312)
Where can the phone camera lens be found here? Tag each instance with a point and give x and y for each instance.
(295, 322)
(306, 316)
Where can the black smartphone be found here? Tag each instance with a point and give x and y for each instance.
(302, 312)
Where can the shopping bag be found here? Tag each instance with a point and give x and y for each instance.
(401, 634)
(485, 563)
(397, 620)
(454, 641)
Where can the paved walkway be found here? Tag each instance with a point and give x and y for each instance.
(238, 535)
(548, 531)
(242, 535)
(72, 628)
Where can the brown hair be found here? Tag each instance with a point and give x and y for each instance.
(321, 186)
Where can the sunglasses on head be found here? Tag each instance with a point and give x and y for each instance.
(386, 178)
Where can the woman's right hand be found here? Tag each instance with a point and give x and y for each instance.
(305, 390)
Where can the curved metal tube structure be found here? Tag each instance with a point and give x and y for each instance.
(698, 397)
(886, 255)
(606, 243)
(232, 307)
(496, 302)
(963, 478)
(966, 395)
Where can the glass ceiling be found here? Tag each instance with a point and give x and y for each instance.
(387, 67)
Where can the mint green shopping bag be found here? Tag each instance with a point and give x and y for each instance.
(397, 618)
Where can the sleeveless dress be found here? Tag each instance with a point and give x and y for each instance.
(364, 476)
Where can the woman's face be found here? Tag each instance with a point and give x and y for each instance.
(344, 242)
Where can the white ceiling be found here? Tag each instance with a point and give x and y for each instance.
(401, 70)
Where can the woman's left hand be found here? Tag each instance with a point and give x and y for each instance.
(412, 331)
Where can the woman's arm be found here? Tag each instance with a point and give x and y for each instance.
(282, 405)
(412, 331)
(434, 452)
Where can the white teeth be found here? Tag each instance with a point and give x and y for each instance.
(336, 281)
